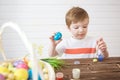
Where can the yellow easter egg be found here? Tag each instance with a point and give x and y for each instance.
(45, 71)
(95, 60)
(30, 64)
(21, 74)
(10, 67)
(41, 64)
(3, 69)
(5, 64)
(46, 77)
(11, 76)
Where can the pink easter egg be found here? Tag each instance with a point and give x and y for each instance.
(17, 63)
(23, 65)
(2, 77)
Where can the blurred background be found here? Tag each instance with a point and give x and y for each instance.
(40, 18)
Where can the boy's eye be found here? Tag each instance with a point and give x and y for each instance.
(75, 27)
(84, 26)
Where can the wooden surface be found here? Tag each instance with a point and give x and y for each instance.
(108, 69)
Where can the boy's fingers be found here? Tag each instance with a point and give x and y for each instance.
(101, 43)
(59, 41)
(52, 36)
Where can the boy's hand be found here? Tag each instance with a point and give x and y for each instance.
(102, 45)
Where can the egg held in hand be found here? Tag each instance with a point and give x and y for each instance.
(58, 36)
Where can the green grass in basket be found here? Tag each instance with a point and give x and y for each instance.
(57, 64)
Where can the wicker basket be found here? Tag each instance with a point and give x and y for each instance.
(36, 68)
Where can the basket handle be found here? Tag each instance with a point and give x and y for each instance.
(27, 45)
(1, 49)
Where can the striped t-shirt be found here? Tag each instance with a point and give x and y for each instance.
(75, 48)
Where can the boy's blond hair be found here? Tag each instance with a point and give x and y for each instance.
(75, 14)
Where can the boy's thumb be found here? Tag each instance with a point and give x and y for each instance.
(100, 39)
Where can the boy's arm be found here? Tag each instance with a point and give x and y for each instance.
(52, 51)
(54, 43)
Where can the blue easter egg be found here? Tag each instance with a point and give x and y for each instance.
(30, 75)
(100, 57)
(39, 77)
(57, 36)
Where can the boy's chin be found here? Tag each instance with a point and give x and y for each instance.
(80, 37)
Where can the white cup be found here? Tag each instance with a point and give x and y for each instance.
(76, 73)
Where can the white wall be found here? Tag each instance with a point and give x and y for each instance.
(39, 18)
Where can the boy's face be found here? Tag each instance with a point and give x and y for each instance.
(79, 29)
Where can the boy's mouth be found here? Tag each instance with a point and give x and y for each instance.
(81, 34)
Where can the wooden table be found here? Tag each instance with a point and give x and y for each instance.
(108, 69)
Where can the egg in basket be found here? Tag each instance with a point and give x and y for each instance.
(23, 68)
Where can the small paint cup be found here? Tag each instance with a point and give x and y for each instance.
(59, 76)
(76, 73)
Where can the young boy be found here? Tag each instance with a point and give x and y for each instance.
(79, 45)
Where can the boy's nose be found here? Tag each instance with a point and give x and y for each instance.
(80, 29)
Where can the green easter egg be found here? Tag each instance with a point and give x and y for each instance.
(10, 67)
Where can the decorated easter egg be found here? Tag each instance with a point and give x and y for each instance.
(10, 67)
(95, 60)
(41, 64)
(17, 62)
(2, 77)
(30, 64)
(5, 64)
(30, 75)
(57, 36)
(11, 76)
(39, 77)
(25, 60)
(100, 57)
(23, 65)
(21, 74)
(45, 70)
(3, 69)
(46, 77)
